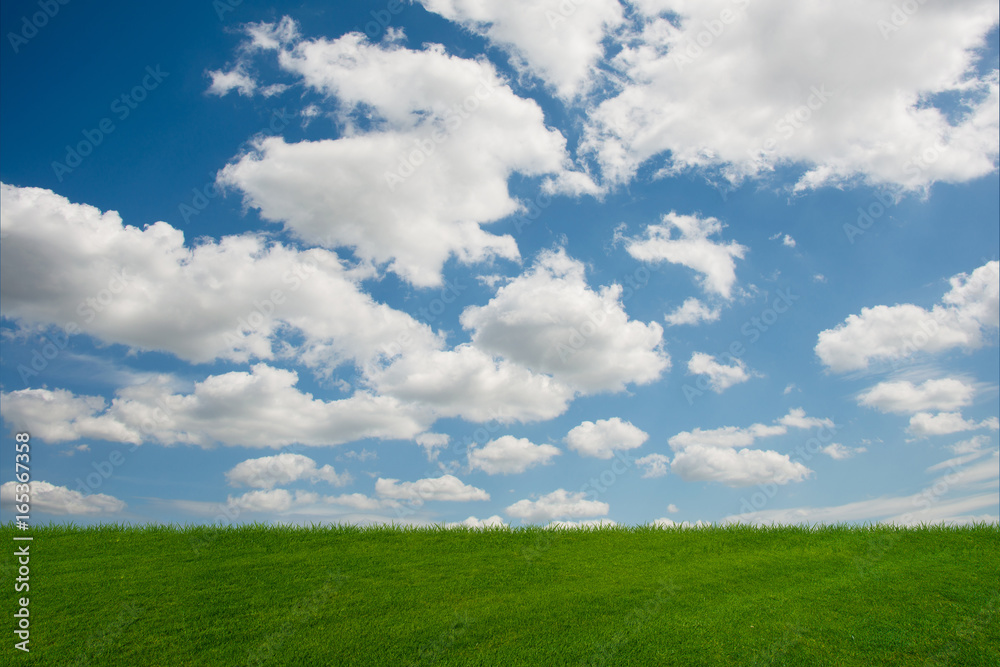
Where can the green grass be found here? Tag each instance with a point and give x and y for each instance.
(342, 595)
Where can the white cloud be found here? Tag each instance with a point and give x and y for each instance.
(838, 452)
(558, 41)
(432, 443)
(416, 190)
(274, 500)
(269, 471)
(550, 321)
(711, 455)
(713, 64)
(672, 508)
(560, 504)
(726, 436)
(260, 408)
(509, 455)
(905, 397)
(692, 311)
(691, 248)
(361, 502)
(666, 522)
(585, 524)
(974, 444)
(924, 424)
(745, 467)
(720, 377)
(786, 239)
(72, 266)
(304, 503)
(51, 499)
(797, 418)
(235, 79)
(494, 521)
(656, 465)
(59, 415)
(952, 498)
(446, 488)
(601, 439)
(469, 383)
(891, 333)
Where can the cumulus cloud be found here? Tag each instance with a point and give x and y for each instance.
(509, 455)
(797, 418)
(469, 383)
(586, 524)
(905, 397)
(736, 468)
(666, 522)
(654, 465)
(306, 503)
(558, 42)
(269, 471)
(692, 311)
(235, 79)
(838, 452)
(361, 502)
(274, 500)
(72, 266)
(712, 455)
(550, 321)
(965, 494)
(720, 377)
(974, 444)
(684, 239)
(260, 408)
(432, 443)
(891, 333)
(411, 185)
(51, 499)
(494, 521)
(925, 424)
(560, 504)
(691, 68)
(446, 488)
(601, 439)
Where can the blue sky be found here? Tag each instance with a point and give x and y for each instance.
(521, 262)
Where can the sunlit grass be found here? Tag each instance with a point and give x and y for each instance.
(402, 595)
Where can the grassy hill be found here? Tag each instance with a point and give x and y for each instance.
(342, 595)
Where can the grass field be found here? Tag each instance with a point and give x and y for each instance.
(256, 595)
